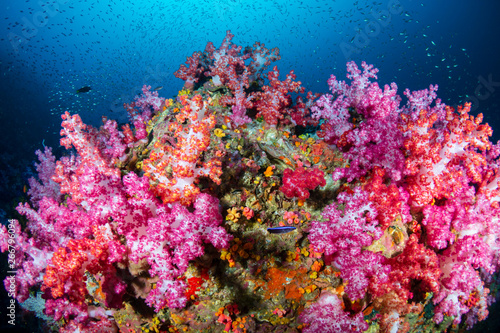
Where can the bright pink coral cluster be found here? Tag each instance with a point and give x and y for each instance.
(425, 158)
(45, 186)
(149, 100)
(236, 68)
(77, 240)
(191, 73)
(389, 201)
(424, 272)
(342, 236)
(371, 138)
(140, 112)
(176, 237)
(96, 149)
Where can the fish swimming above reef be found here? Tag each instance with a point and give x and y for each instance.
(280, 230)
(83, 90)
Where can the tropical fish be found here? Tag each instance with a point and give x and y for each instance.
(280, 230)
(83, 90)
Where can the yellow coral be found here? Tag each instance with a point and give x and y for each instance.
(310, 289)
(232, 214)
(169, 102)
(223, 254)
(218, 132)
(184, 92)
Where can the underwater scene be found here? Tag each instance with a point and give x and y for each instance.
(249, 166)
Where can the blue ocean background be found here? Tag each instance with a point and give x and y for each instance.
(51, 48)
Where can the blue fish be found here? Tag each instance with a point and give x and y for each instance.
(280, 230)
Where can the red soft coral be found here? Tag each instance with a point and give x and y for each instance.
(423, 276)
(297, 183)
(443, 158)
(65, 276)
(388, 200)
(192, 73)
(274, 99)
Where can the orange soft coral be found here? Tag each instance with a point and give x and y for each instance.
(185, 158)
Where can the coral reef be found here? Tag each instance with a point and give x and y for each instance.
(161, 225)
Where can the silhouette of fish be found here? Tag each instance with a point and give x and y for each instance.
(83, 90)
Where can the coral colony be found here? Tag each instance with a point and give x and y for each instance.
(381, 216)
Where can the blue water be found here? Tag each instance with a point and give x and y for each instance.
(50, 48)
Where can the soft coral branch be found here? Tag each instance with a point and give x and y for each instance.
(273, 102)
(44, 186)
(185, 159)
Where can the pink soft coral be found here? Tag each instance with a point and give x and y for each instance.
(343, 235)
(233, 67)
(44, 186)
(362, 119)
(172, 239)
(65, 275)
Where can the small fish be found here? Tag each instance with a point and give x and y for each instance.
(280, 230)
(83, 90)
(159, 88)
